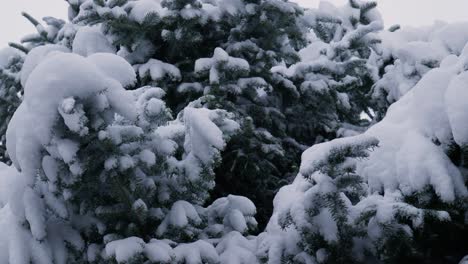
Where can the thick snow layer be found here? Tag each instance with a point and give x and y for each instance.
(453, 36)
(196, 252)
(157, 70)
(79, 77)
(35, 57)
(179, 216)
(416, 51)
(234, 248)
(114, 67)
(408, 157)
(159, 252)
(10, 179)
(125, 249)
(457, 108)
(317, 155)
(236, 212)
(203, 134)
(90, 40)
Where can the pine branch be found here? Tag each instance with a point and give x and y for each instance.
(40, 29)
(394, 28)
(366, 7)
(18, 47)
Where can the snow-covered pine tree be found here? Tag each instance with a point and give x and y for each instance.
(262, 156)
(105, 175)
(334, 78)
(324, 218)
(414, 201)
(163, 41)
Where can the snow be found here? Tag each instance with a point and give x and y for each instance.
(203, 133)
(148, 157)
(114, 67)
(457, 108)
(34, 208)
(125, 249)
(452, 36)
(35, 57)
(464, 260)
(90, 40)
(220, 61)
(80, 78)
(141, 9)
(181, 214)
(159, 252)
(236, 212)
(126, 162)
(190, 87)
(414, 50)
(157, 70)
(67, 150)
(196, 252)
(73, 116)
(232, 7)
(11, 183)
(237, 221)
(234, 248)
(407, 157)
(317, 155)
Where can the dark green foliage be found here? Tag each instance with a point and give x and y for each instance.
(10, 96)
(342, 188)
(334, 88)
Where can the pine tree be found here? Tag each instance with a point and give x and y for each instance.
(334, 77)
(401, 204)
(336, 220)
(109, 175)
(164, 41)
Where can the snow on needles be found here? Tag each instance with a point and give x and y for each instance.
(409, 157)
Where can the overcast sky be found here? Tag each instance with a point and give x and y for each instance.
(404, 12)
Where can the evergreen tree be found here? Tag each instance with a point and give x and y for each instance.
(406, 202)
(336, 220)
(108, 176)
(334, 78)
(165, 42)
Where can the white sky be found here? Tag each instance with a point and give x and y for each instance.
(404, 12)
